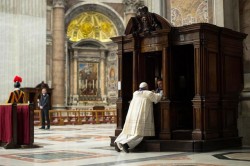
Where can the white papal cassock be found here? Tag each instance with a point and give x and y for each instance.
(140, 119)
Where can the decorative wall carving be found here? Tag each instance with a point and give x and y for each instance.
(145, 21)
(189, 12)
(59, 3)
(89, 25)
(78, 9)
(112, 76)
(132, 5)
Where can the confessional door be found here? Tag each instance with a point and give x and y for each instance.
(182, 90)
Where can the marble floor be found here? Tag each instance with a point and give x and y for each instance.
(89, 145)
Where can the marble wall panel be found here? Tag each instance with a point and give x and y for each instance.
(244, 109)
(22, 44)
(112, 75)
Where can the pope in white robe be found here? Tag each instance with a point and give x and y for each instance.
(140, 119)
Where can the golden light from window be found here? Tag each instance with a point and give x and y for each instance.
(91, 25)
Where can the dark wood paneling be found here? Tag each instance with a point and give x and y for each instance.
(232, 74)
(212, 86)
(162, 120)
(212, 121)
(229, 118)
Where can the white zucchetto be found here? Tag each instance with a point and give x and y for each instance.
(143, 85)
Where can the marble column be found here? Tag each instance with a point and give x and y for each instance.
(67, 70)
(75, 73)
(131, 8)
(71, 76)
(244, 110)
(226, 14)
(75, 78)
(58, 68)
(231, 14)
(102, 74)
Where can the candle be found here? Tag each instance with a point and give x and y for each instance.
(119, 85)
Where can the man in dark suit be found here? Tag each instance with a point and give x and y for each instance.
(44, 104)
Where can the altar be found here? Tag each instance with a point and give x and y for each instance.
(16, 125)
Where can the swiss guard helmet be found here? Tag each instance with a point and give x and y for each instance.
(17, 81)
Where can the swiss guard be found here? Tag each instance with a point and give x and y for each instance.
(17, 96)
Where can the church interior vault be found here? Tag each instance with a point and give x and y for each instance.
(91, 25)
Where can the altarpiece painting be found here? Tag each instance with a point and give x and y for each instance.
(88, 75)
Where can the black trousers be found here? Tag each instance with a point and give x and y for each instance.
(45, 116)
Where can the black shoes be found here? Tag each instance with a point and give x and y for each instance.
(116, 147)
(43, 128)
(125, 147)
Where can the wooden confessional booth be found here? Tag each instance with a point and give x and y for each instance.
(202, 71)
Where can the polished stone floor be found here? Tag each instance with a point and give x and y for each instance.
(89, 145)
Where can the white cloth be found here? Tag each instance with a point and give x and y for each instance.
(140, 120)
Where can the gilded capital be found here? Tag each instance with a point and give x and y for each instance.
(132, 5)
(59, 3)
